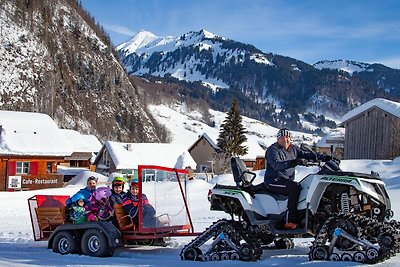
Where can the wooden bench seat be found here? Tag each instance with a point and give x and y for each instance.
(125, 222)
(50, 217)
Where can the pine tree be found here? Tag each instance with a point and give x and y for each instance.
(232, 133)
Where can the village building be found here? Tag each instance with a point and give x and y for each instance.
(85, 149)
(333, 143)
(31, 146)
(372, 130)
(204, 152)
(126, 157)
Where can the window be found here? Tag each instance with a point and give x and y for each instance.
(204, 168)
(148, 175)
(49, 167)
(22, 167)
(106, 158)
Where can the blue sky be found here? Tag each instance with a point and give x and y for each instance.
(308, 30)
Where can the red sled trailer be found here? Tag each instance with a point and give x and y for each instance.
(166, 190)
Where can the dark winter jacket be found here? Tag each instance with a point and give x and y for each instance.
(116, 198)
(130, 205)
(278, 167)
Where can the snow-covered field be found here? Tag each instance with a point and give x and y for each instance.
(17, 247)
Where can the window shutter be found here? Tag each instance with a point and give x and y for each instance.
(12, 167)
(33, 168)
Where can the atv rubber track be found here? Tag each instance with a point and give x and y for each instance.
(226, 236)
(384, 238)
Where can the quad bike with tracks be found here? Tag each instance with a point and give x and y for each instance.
(347, 213)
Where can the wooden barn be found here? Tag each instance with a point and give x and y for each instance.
(372, 130)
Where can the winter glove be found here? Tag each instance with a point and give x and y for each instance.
(302, 162)
(91, 217)
(293, 163)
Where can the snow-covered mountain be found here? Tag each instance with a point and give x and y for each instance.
(264, 78)
(54, 59)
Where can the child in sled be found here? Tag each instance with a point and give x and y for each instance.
(76, 210)
(99, 208)
(130, 205)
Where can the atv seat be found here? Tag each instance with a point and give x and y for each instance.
(263, 189)
(241, 175)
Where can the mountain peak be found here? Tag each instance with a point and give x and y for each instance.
(139, 40)
(208, 34)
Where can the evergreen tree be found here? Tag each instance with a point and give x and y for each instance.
(232, 133)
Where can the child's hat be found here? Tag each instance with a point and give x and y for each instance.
(134, 182)
(77, 196)
(118, 181)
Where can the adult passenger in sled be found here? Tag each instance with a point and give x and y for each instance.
(87, 191)
(281, 160)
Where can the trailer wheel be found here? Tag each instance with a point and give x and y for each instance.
(65, 243)
(94, 243)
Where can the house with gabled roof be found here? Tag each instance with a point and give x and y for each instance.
(126, 157)
(204, 149)
(372, 130)
(31, 146)
(203, 152)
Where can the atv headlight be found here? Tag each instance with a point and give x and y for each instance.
(368, 186)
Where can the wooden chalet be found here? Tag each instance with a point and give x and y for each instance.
(31, 147)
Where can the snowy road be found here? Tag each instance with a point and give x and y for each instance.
(37, 254)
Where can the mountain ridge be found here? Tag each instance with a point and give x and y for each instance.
(268, 79)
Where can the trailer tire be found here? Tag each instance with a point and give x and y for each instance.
(94, 243)
(65, 243)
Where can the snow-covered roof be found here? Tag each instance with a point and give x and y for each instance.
(166, 155)
(334, 137)
(209, 140)
(33, 134)
(82, 142)
(384, 104)
(81, 178)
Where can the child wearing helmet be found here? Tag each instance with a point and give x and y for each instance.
(117, 191)
(78, 208)
(99, 207)
(131, 202)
